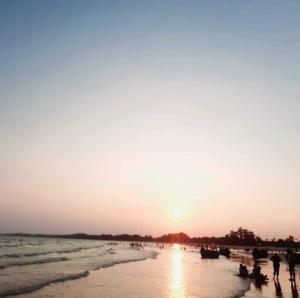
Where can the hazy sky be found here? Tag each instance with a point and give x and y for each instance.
(115, 113)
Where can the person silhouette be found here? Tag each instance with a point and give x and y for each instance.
(243, 271)
(292, 262)
(276, 264)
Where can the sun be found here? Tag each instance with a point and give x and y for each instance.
(177, 212)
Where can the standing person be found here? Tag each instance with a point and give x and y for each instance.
(276, 264)
(292, 262)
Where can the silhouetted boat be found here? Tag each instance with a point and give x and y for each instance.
(259, 253)
(225, 252)
(209, 254)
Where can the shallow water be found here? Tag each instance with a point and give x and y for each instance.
(171, 272)
(27, 264)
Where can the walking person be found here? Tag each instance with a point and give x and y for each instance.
(292, 262)
(276, 265)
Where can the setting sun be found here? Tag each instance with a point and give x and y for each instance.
(177, 213)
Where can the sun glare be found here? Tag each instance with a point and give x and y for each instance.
(177, 213)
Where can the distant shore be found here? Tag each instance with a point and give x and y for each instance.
(242, 237)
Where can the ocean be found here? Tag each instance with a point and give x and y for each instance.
(27, 264)
(49, 267)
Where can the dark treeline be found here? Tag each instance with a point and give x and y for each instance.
(240, 237)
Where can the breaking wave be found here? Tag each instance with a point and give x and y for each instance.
(35, 254)
(34, 262)
(31, 288)
(18, 277)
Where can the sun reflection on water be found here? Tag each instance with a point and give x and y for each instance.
(177, 281)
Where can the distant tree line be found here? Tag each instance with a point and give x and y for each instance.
(240, 237)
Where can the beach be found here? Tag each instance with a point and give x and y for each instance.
(147, 271)
(149, 148)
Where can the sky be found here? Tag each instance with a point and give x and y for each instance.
(150, 117)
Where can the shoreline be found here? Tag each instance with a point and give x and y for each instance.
(115, 269)
(130, 280)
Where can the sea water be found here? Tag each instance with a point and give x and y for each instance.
(45, 267)
(27, 264)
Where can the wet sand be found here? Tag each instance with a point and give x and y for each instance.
(174, 273)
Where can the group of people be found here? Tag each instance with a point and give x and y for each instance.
(291, 259)
(256, 272)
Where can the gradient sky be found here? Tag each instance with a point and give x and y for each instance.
(113, 113)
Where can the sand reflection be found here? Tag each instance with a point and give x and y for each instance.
(177, 281)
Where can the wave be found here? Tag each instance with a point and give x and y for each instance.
(40, 284)
(34, 262)
(27, 289)
(12, 245)
(42, 253)
(94, 264)
(36, 243)
(152, 255)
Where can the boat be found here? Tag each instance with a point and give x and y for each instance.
(209, 253)
(259, 253)
(225, 251)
